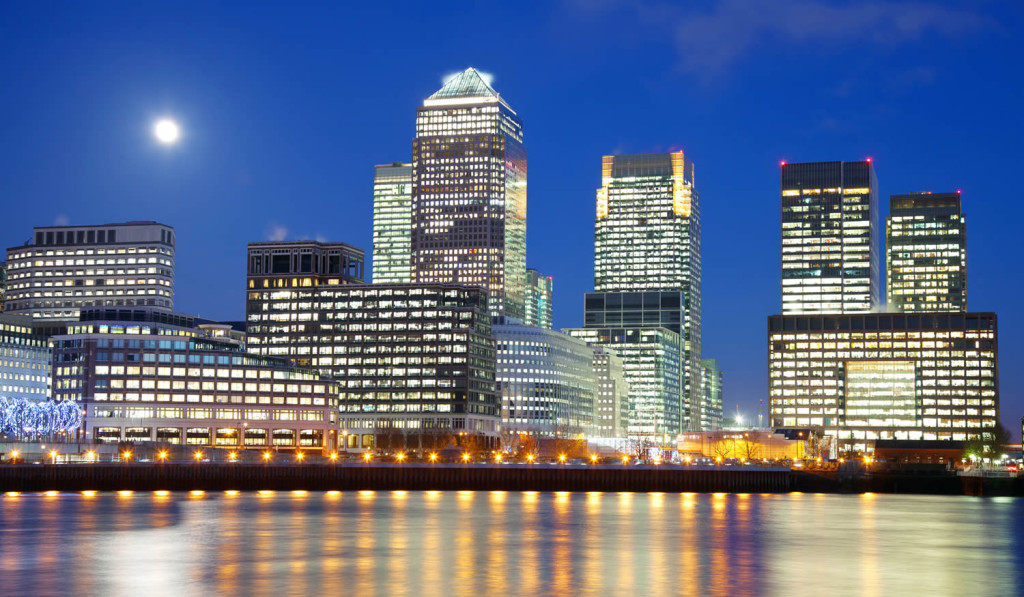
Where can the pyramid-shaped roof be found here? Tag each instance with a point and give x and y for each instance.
(468, 83)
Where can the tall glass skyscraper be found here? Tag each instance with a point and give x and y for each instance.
(538, 299)
(469, 193)
(926, 248)
(392, 221)
(829, 256)
(647, 263)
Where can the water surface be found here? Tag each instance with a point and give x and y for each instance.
(505, 543)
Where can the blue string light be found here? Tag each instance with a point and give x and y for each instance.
(21, 417)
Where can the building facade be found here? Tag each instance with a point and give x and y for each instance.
(647, 250)
(865, 377)
(392, 223)
(153, 376)
(283, 305)
(926, 253)
(3, 284)
(415, 362)
(469, 193)
(651, 360)
(64, 269)
(612, 394)
(25, 359)
(546, 381)
(539, 289)
(829, 238)
(711, 379)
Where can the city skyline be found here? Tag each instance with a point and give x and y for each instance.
(170, 185)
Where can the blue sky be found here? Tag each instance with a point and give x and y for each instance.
(285, 109)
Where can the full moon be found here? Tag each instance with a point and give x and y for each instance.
(166, 131)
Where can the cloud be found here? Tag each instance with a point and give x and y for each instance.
(714, 40)
(61, 220)
(276, 232)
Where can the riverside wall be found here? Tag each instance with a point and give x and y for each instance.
(348, 477)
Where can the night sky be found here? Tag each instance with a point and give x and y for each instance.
(286, 109)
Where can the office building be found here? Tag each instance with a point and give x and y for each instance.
(284, 279)
(3, 284)
(711, 379)
(546, 381)
(612, 394)
(538, 299)
(866, 377)
(64, 269)
(24, 359)
(392, 223)
(647, 258)
(651, 360)
(415, 361)
(926, 250)
(829, 238)
(145, 375)
(469, 193)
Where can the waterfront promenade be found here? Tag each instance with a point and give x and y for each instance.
(480, 477)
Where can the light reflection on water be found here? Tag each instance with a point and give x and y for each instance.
(500, 543)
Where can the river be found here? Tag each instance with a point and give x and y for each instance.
(509, 543)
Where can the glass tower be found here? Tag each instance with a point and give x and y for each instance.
(829, 259)
(538, 299)
(392, 215)
(647, 260)
(926, 264)
(469, 193)
(712, 380)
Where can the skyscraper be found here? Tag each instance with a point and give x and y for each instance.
(712, 388)
(67, 268)
(647, 264)
(469, 193)
(392, 222)
(829, 238)
(538, 299)
(926, 252)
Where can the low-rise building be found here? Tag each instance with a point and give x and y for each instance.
(651, 367)
(743, 444)
(612, 394)
(24, 359)
(901, 376)
(153, 376)
(64, 269)
(546, 381)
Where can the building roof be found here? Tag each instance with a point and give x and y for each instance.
(468, 83)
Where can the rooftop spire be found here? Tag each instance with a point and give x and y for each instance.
(468, 83)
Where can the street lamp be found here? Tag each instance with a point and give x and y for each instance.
(162, 455)
(198, 455)
(232, 456)
(400, 457)
(561, 458)
(266, 457)
(127, 455)
(433, 457)
(14, 455)
(529, 458)
(367, 456)
(334, 457)
(299, 456)
(53, 456)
